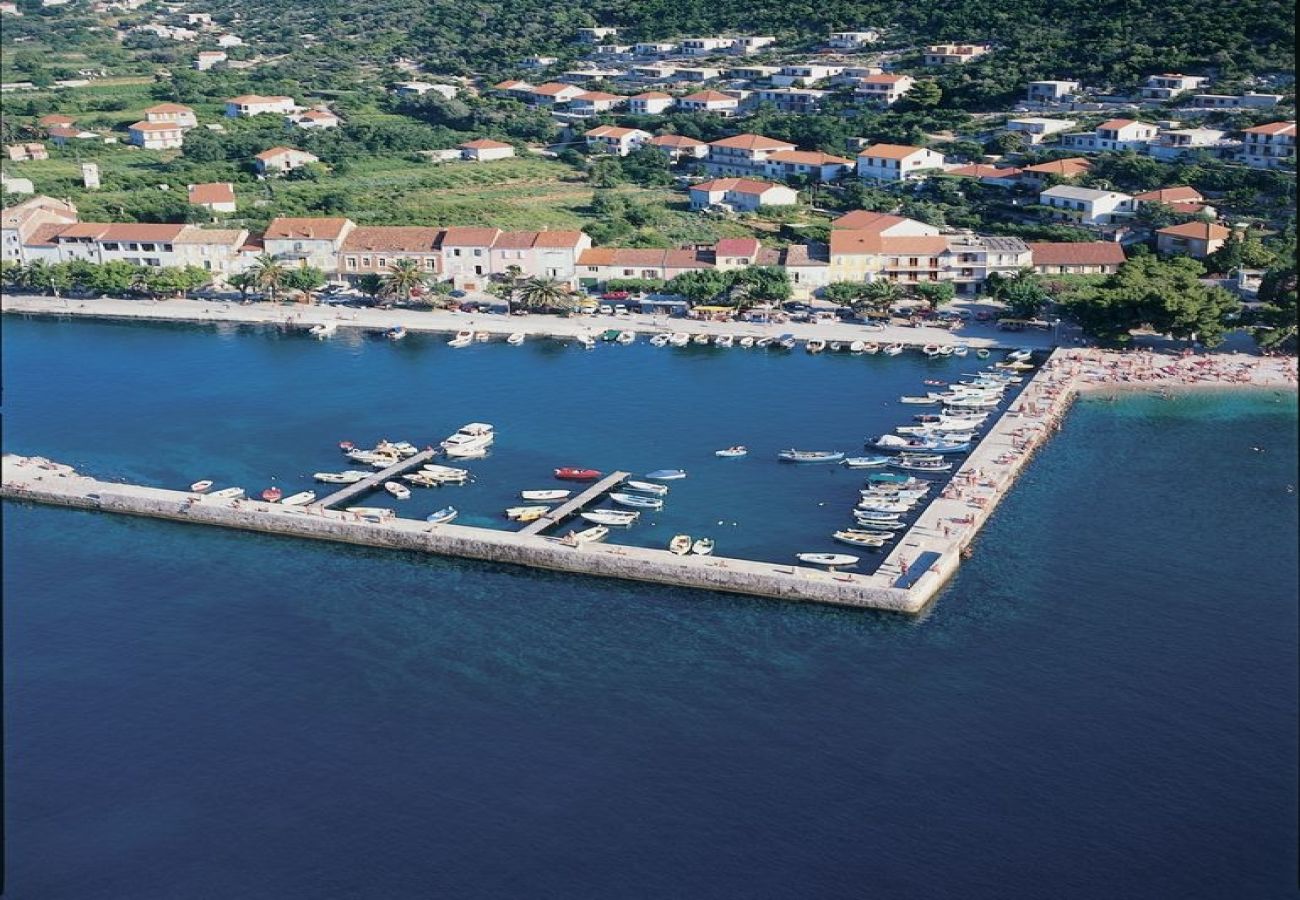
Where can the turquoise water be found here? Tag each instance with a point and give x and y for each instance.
(1101, 704)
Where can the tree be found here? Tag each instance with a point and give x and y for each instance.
(764, 284)
(699, 287)
(49, 277)
(243, 282)
(934, 294)
(1242, 250)
(269, 275)
(605, 172)
(542, 294)
(306, 280)
(923, 95)
(1276, 317)
(844, 293)
(371, 284)
(1023, 293)
(879, 296)
(113, 278)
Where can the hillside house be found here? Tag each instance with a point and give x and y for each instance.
(554, 93)
(485, 150)
(1195, 239)
(1114, 134)
(804, 75)
(650, 103)
(619, 141)
(281, 160)
(156, 135)
(792, 100)
(1086, 206)
(953, 54)
(813, 165)
(1051, 91)
(313, 119)
(1169, 85)
(1264, 146)
(883, 90)
(1035, 130)
(313, 241)
(206, 59)
(595, 103)
(852, 40)
(1084, 258)
(710, 101)
(678, 147)
(1067, 169)
(217, 196)
(896, 162)
(27, 151)
(742, 154)
(420, 88)
(255, 105)
(1184, 199)
(741, 194)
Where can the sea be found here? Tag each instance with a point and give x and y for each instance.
(1102, 703)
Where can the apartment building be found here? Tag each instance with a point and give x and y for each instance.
(742, 154)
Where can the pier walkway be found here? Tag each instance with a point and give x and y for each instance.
(576, 505)
(365, 485)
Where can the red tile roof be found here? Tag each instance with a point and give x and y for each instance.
(1072, 166)
(752, 142)
(153, 126)
(215, 192)
(168, 108)
(1273, 128)
(313, 229)
(483, 144)
(1197, 231)
(1182, 194)
(735, 185)
(558, 239)
(979, 170)
(808, 158)
(463, 236)
(890, 151)
(737, 247)
(1088, 253)
(393, 239)
(709, 97)
(865, 219)
(675, 140)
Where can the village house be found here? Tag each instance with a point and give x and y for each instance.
(538, 62)
(1248, 100)
(10, 185)
(753, 73)
(953, 54)
(741, 194)
(619, 141)
(229, 40)
(736, 253)
(743, 46)
(1174, 144)
(255, 105)
(206, 59)
(1007, 177)
(654, 48)
(650, 103)
(1170, 85)
(595, 35)
(804, 75)
(1051, 91)
(815, 166)
(896, 162)
(372, 250)
(653, 74)
(972, 258)
(594, 103)
(697, 73)
(1064, 169)
(28, 151)
(420, 88)
(1035, 130)
(553, 93)
(708, 46)
(10, 9)
(678, 147)
(852, 40)
(884, 224)
(280, 160)
(155, 135)
(1083, 258)
(851, 76)
(1185, 200)
(61, 135)
(742, 154)
(1264, 146)
(709, 101)
(1086, 206)
(217, 196)
(54, 120)
(868, 254)
(513, 87)
(20, 222)
(883, 90)
(103, 242)
(314, 241)
(604, 51)
(597, 265)
(466, 253)
(485, 150)
(318, 118)
(1195, 239)
(792, 100)
(198, 19)
(214, 250)
(539, 254)
(1113, 134)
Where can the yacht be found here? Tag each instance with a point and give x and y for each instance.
(471, 440)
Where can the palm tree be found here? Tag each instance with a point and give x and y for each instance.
(542, 293)
(404, 277)
(13, 273)
(268, 275)
(880, 295)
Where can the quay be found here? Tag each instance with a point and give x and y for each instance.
(576, 505)
(366, 485)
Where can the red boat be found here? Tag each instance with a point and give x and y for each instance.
(567, 474)
(272, 494)
(345, 446)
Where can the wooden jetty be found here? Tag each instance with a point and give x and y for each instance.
(376, 481)
(577, 504)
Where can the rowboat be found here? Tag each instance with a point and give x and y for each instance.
(731, 452)
(893, 349)
(918, 401)
(373, 512)
(786, 342)
(545, 496)
(870, 347)
(1021, 355)
(592, 535)
(638, 501)
(815, 345)
(679, 339)
(724, 340)
(973, 402)
(647, 487)
(230, 493)
(587, 341)
(1014, 366)
(827, 559)
(617, 517)
(960, 350)
(396, 333)
(422, 479)
(877, 516)
(446, 514)
(877, 526)
(610, 335)
(982, 353)
(398, 490)
(921, 465)
(931, 350)
(666, 474)
(444, 473)
(810, 456)
(764, 342)
(835, 346)
(680, 544)
(746, 342)
(892, 478)
(883, 507)
(516, 339)
(302, 498)
(482, 336)
(858, 538)
(526, 512)
(625, 337)
(462, 339)
(857, 346)
(702, 547)
(571, 474)
(272, 494)
(700, 338)
(384, 462)
(201, 487)
(659, 340)
(323, 330)
(866, 462)
(945, 350)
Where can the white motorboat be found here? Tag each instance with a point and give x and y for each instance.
(960, 350)
(323, 330)
(613, 517)
(764, 342)
(724, 340)
(230, 493)
(701, 338)
(516, 339)
(384, 462)
(918, 401)
(731, 452)
(666, 474)
(526, 513)
(746, 342)
(374, 512)
(398, 490)
(638, 501)
(680, 544)
(870, 347)
(587, 341)
(302, 498)
(831, 560)
(446, 514)
(893, 350)
(857, 346)
(1021, 355)
(349, 477)
(945, 350)
(815, 345)
(545, 496)
(679, 339)
(422, 479)
(201, 487)
(702, 547)
(810, 456)
(647, 487)
(659, 340)
(592, 535)
(625, 337)
(858, 538)
(470, 440)
(867, 462)
(482, 336)
(450, 472)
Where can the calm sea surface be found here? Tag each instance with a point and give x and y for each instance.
(1101, 704)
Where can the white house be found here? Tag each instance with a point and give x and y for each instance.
(742, 154)
(1169, 85)
(1087, 206)
(554, 92)
(678, 147)
(953, 54)
(595, 35)
(312, 242)
(804, 75)
(896, 162)
(753, 73)
(539, 62)
(1176, 143)
(883, 90)
(704, 46)
(710, 101)
(171, 114)
(1051, 91)
(209, 58)
(741, 194)
(279, 160)
(156, 135)
(218, 196)
(619, 141)
(697, 73)
(654, 48)
(650, 103)
(792, 100)
(1113, 134)
(1036, 129)
(751, 43)
(484, 150)
(1248, 100)
(1264, 146)
(313, 119)
(420, 88)
(808, 164)
(255, 105)
(593, 103)
(229, 40)
(852, 40)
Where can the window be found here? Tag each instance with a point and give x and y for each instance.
(133, 246)
(167, 248)
(478, 270)
(350, 262)
(110, 245)
(430, 263)
(455, 252)
(365, 261)
(383, 262)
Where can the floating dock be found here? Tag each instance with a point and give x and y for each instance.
(376, 481)
(576, 505)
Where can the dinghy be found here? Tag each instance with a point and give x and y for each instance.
(568, 473)
(230, 493)
(680, 544)
(616, 517)
(516, 339)
(592, 535)
(647, 487)
(545, 496)
(302, 498)
(446, 514)
(526, 512)
(666, 474)
(731, 452)
(866, 462)
(398, 490)
(637, 501)
(201, 487)
(272, 494)
(462, 339)
(831, 560)
(702, 547)
(810, 456)
(857, 538)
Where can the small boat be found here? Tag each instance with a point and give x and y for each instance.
(945, 350)
(230, 493)
(526, 513)
(469, 441)
(724, 340)
(764, 342)
(870, 347)
(866, 462)
(272, 494)
(918, 401)
(659, 340)
(921, 465)
(786, 342)
(374, 512)
(810, 456)
(345, 446)
(610, 335)
(613, 517)
(679, 339)
(1022, 355)
(731, 452)
(857, 538)
(462, 339)
(666, 474)
(702, 547)
(422, 479)
(201, 487)
(1015, 366)
(625, 337)
(858, 347)
(444, 472)
(981, 353)
(398, 490)
(960, 350)
(746, 342)
(830, 560)
(835, 346)
(382, 462)
(545, 496)
(592, 535)
(680, 544)
(647, 487)
(302, 498)
(396, 333)
(482, 336)
(893, 478)
(637, 501)
(571, 474)
(880, 506)
(587, 341)
(514, 341)
(893, 349)
(446, 514)
(815, 345)
(934, 382)
(876, 527)
(701, 339)
(931, 350)
(323, 330)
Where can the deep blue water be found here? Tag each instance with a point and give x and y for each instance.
(1101, 704)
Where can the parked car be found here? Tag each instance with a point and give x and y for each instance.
(456, 294)
(620, 310)
(606, 310)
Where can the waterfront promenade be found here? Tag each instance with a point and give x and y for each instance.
(533, 325)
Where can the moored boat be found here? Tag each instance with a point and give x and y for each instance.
(462, 339)
(272, 494)
(700, 338)
(302, 498)
(659, 340)
(666, 474)
(810, 456)
(470, 440)
(866, 462)
(764, 342)
(786, 342)
(815, 345)
(731, 452)
(931, 350)
(323, 330)
(893, 349)
(918, 401)
(526, 513)
(702, 547)
(831, 560)
(398, 490)
(637, 501)
(680, 544)
(592, 535)
(857, 346)
(396, 333)
(201, 487)
(724, 340)
(625, 337)
(373, 512)
(647, 487)
(446, 514)
(981, 353)
(516, 339)
(566, 473)
(746, 341)
(545, 496)
(612, 517)
(230, 493)
(858, 538)
(679, 339)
